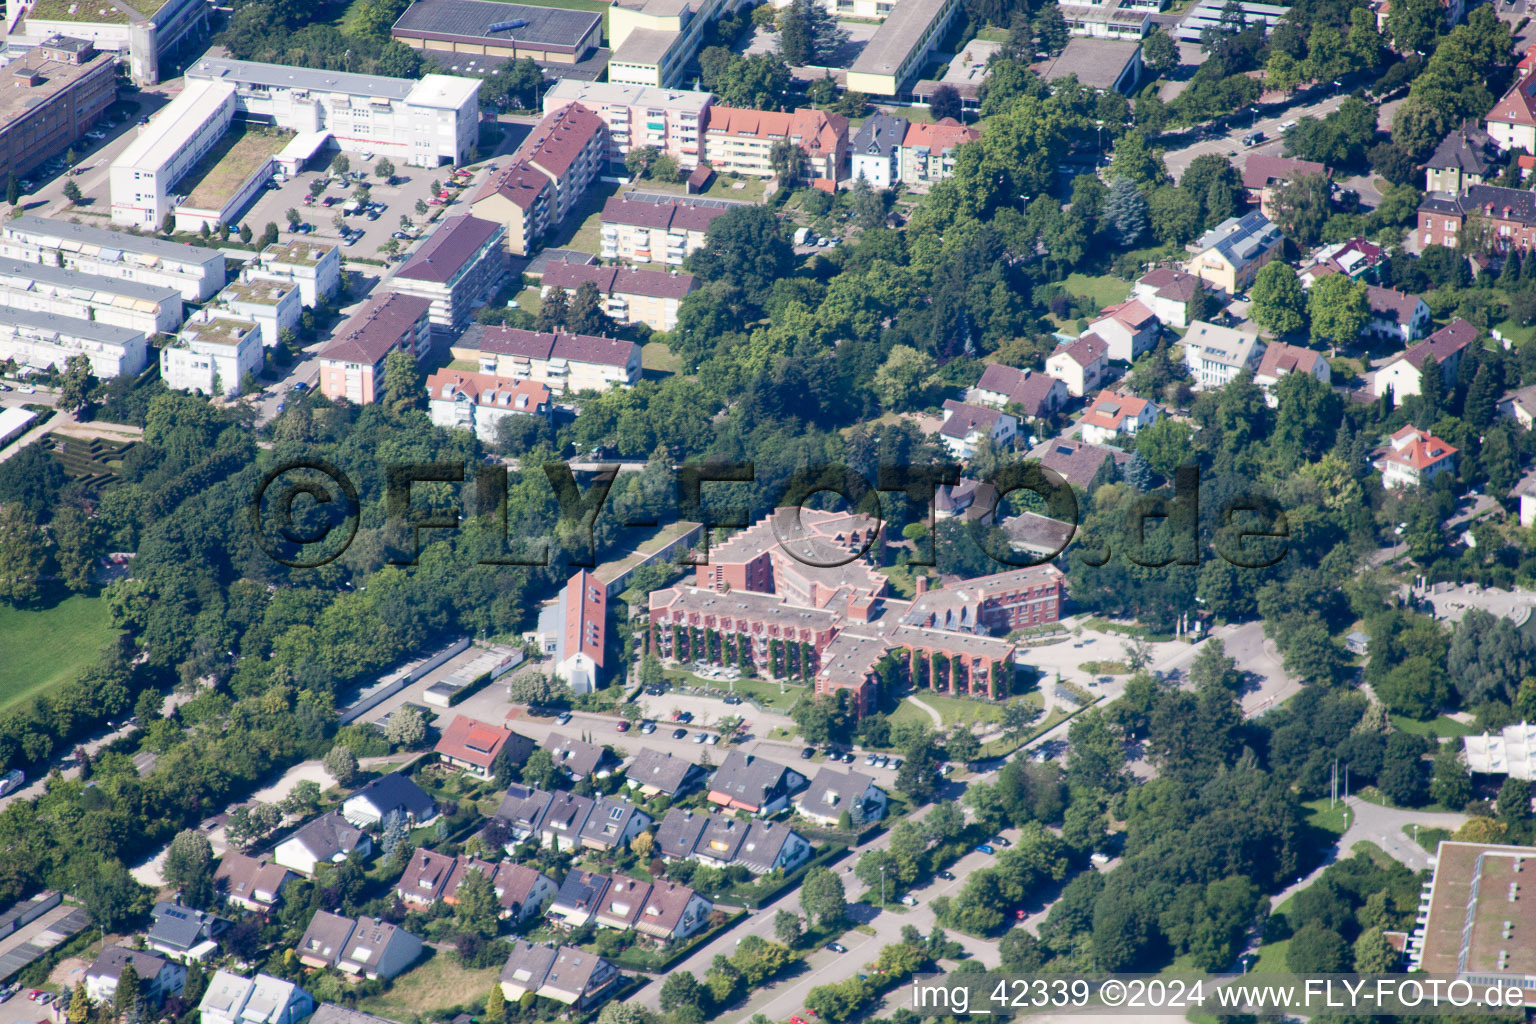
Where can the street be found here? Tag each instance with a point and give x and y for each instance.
(1231, 145)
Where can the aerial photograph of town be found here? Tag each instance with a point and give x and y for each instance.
(767, 511)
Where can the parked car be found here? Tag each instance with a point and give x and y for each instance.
(27, 389)
(733, 700)
(882, 761)
(565, 717)
(869, 760)
(5, 387)
(999, 841)
(711, 739)
(623, 727)
(300, 386)
(678, 734)
(12, 779)
(909, 900)
(837, 947)
(984, 848)
(948, 876)
(698, 737)
(807, 753)
(647, 727)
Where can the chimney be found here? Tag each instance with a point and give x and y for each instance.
(921, 582)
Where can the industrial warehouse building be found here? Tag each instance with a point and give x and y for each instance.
(508, 31)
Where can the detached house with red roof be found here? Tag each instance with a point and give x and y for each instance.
(928, 152)
(473, 746)
(546, 178)
(1401, 376)
(1263, 176)
(1511, 123)
(1080, 365)
(1129, 329)
(1114, 413)
(1416, 457)
(1036, 394)
(478, 402)
(1281, 359)
(1395, 315)
(741, 140)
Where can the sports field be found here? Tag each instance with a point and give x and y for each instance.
(47, 646)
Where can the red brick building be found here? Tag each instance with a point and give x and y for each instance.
(1509, 212)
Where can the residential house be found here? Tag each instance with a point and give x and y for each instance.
(1415, 458)
(1520, 406)
(874, 153)
(770, 846)
(833, 793)
(1511, 124)
(622, 903)
(1401, 376)
(929, 151)
(329, 839)
(352, 362)
(460, 266)
(389, 794)
(566, 975)
(671, 913)
(1036, 394)
(472, 746)
(546, 178)
(654, 772)
(755, 784)
(1114, 413)
(522, 891)
(1078, 462)
(563, 820)
(1354, 257)
(1281, 359)
(966, 428)
(231, 999)
(478, 402)
(642, 228)
(1465, 157)
(578, 758)
(1506, 215)
(255, 883)
(159, 977)
(580, 898)
(720, 842)
(1525, 490)
(1129, 329)
(1229, 256)
(523, 810)
(1215, 355)
(630, 296)
(331, 1013)
(425, 878)
(183, 933)
(679, 832)
(1263, 176)
(742, 140)
(971, 499)
(611, 824)
(1167, 293)
(364, 947)
(1081, 365)
(1396, 316)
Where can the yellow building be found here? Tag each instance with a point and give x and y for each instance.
(900, 45)
(653, 40)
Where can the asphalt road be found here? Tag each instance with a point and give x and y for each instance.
(1231, 145)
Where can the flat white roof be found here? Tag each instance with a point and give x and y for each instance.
(573, 90)
(450, 91)
(304, 145)
(444, 92)
(13, 419)
(167, 133)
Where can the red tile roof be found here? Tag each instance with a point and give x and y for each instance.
(490, 390)
(1390, 304)
(1111, 409)
(1174, 285)
(945, 134)
(581, 348)
(1133, 313)
(654, 284)
(451, 246)
(1087, 350)
(557, 141)
(473, 742)
(816, 132)
(677, 215)
(1518, 106)
(1443, 344)
(1418, 449)
(1280, 358)
(382, 324)
(586, 616)
(1262, 171)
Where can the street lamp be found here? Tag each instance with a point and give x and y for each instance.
(882, 885)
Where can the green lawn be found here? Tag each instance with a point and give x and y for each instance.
(1442, 727)
(434, 985)
(656, 357)
(1516, 333)
(765, 692)
(1329, 819)
(48, 646)
(1104, 289)
(953, 710)
(1429, 837)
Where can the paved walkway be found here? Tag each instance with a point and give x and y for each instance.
(938, 719)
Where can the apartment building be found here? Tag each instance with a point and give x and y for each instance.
(459, 267)
(55, 93)
(45, 288)
(196, 272)
(900, 46)
(145, 175)
(1216, 355)
(416, 122)
(275, 306)
(546, 178)
(653, 41)
(1230, 255)
(742, 140)
(48, 340)
(352, 362)
(654, 229)
(315, 267)
(478, 402)
(876, 150)
(212, 355)
(637, 116)
(929, 151)
(631, 296)
(565, 362)
(1508, 213)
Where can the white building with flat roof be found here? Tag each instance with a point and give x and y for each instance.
(422, 123)
(212, 355)
(275, 306)
(315, 267)
(145, 175)
(45, 288)
(196, 272)
(1511, 752)
(47, 340)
